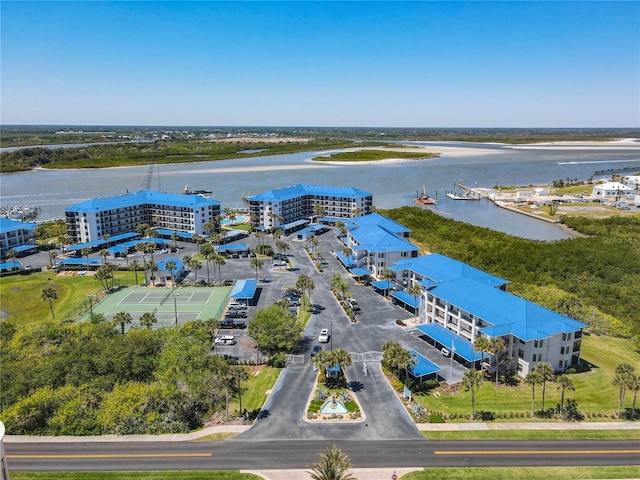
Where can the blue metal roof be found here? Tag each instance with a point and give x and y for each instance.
(236, 247)
(124, 236)
(348, 262)
(375, 238)
(8, 265)
(383, 284)
(297, 223)
(140, 198)
(80, 246)
(378, 220)
(8, 225)
(301, 189)
(167, 232)
(404, 297)
(507, 313)
(162, 265)
(82, 262)
(450, 340)
(439, 268)
(359, 272)
(244, 289)
(423, 365)
(23, 248)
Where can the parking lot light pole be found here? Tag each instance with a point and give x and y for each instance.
(331, 334)
(175, 306)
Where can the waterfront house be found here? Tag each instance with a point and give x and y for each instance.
(611, 191)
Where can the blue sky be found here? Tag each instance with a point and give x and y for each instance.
(413, 64)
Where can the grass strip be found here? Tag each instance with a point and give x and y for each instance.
(534, 435)
(186, 475)
(522, 473)
(374, 156)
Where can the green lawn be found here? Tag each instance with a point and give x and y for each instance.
(534, 435)
(594, 391)
(22, 302)
(522, 473)
(255, 389)
(190, 475)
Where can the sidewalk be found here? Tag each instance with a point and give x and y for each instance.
(452, 427)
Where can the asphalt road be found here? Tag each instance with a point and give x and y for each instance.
(300, 454)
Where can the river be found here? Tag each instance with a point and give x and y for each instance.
(393, 184)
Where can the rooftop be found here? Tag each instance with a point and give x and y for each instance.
(302, 189)
(140, 198)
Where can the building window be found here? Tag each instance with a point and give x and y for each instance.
(520, 353)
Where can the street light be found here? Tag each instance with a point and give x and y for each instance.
(453, 352)
(331, 334)
(175, 306)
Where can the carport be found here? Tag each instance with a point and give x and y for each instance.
(348, 261)
(234, 249)
(423, 367)
(461, 349)
(293, 226)
(383, 286)
(406, 299)
(360, 272)
(244, 289)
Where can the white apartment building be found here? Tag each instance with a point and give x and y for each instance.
(90, 220)
(459, 303)
(292, 208)
(15, 235)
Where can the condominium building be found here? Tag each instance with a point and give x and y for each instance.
(293, 207)
(460, 303)
(377, 243)
(92, 219)
(16, 236)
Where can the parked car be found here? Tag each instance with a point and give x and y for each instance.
(445, 352)
(237, 306)
(293, 303)
(230, 323)
(225, 340)
(324, 336)
(236, 314)
(353, 304)
(315, 350)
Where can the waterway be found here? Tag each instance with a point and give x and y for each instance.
(393, 184)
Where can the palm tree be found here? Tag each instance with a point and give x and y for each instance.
(104, 253)
(171, 267)
(239, 374)
(482, 345)
(305, 283)
(496, 347)
(314, 243)
(565, 384)
(533, 379)
(152, 267)
(196, 265)
(199, 240)
(148, 319)
(319, 210)
(256, 264)
(135, 266)
(49, 293)
(472, 380)
(174, 239)
(621, 380)
(206, 251)
(260, 235)
(218, 261)
(338, 284)
(415, 291)
(85, 252)
(547, 374)
(122, 318)
(405, 360)
(209, 227)
(333, 465)
(106, 237)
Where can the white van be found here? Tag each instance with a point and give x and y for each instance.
(445, 352)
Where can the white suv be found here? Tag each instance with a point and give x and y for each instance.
(324, 336)
(237, 306)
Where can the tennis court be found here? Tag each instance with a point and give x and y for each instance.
(170, 306)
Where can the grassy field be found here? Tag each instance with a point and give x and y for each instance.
(534, 435)
(195, 475)
(594, 391)
(373, 156)
(22, 302)
(255, 392)
(522, 473)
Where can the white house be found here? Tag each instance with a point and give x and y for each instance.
(611, 190)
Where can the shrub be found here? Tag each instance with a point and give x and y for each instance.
(436, 419)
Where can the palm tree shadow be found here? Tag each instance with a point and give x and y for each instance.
(355, 386)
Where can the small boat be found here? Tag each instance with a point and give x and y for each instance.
(424, 199)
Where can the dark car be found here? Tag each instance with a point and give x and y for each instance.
(236, 314)
(315, 350)
(230, 323)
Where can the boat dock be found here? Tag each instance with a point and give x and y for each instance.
(466, 194)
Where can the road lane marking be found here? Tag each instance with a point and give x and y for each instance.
(108, 455)
(535, 452)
